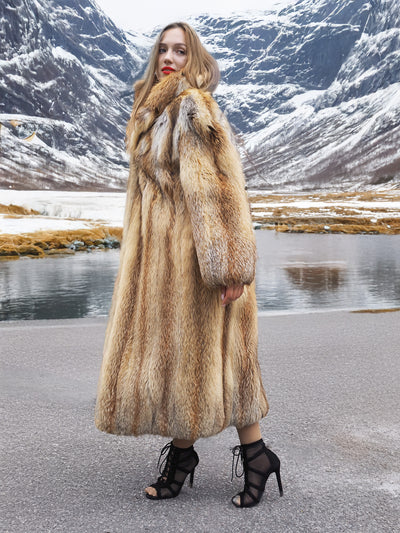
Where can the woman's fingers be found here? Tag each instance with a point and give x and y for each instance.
(223, 293)
(230, 294)
(239, 291)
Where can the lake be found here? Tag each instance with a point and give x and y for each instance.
(295, 273)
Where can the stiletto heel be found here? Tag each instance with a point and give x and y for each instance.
(191, 477)
(278, 479)
(259, 463)
(174, 469)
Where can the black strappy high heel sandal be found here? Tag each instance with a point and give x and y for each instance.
(258, 463)
(174, 469)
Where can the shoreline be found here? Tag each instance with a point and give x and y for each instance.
(39, 225)
(38, 245)
(62, 242)
(87, 321)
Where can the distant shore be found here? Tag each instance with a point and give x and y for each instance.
(41, 223)
(368, 212)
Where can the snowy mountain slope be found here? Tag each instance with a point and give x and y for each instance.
(301, 48)
(69, 71)
(30, 164)
(311, 148)
(311, 89)
(319, 100)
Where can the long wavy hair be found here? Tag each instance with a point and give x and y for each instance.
(201, 69)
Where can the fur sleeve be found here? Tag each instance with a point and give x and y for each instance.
(214, 189)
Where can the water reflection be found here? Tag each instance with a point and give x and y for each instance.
(294, 273)
(387, 276)
(316, 278)
(57, 287)
(303, 272)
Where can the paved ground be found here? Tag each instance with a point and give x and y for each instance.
(333, 385)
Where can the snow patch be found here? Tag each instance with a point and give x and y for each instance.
(60, 53)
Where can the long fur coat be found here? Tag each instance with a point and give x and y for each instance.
(176, 363)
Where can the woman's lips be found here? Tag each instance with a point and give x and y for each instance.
(167, 70)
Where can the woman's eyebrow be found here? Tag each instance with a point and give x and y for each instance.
(175, 44)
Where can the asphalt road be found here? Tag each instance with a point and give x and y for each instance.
(333, 382)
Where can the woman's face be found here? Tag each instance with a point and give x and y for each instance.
(172, 53)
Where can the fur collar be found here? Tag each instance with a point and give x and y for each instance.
(163, 92)
(161, 95)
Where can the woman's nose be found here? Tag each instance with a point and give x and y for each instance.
(168, 56)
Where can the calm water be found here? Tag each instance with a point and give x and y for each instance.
(295, 273)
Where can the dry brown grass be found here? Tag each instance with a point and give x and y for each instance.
(43, 243)
(289, 222)
(361, 196)
(377, 310)
(348, 227)
(16, 210)
(329, 218)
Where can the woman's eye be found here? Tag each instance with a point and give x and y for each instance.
(182, 52)
(161, 50)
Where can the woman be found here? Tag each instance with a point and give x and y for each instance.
(180, 355)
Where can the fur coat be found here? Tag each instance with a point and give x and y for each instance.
(176, 363)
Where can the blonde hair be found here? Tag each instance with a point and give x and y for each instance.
(201, 69)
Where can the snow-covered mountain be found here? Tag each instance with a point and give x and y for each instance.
(312, 90)
(315, 89)
(66, 74)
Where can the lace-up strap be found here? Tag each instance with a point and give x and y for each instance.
(237, 454)
(161, 463)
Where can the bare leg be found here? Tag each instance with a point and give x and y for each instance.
(182, 443)
(179, 443)
(249, 434)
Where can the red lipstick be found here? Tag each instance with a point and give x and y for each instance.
(167, 70)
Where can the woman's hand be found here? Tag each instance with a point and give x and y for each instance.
(230, 294)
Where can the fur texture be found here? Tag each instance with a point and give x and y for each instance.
(176, 363)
